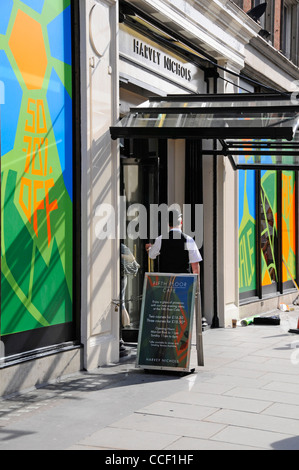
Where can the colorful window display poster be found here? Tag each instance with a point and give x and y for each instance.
(36, 164)
(272, 229)
(247, 230)
(288, 225)
(166, 321)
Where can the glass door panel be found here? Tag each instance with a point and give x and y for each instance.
(140, 187)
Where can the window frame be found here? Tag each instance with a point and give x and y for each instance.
(289, 30)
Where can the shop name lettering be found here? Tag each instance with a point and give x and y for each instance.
(36, 184)
(152, 55)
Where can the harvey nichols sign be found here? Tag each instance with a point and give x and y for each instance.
(156, 57)
(142, 51)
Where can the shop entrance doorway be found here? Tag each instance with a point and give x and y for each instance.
(143, 183)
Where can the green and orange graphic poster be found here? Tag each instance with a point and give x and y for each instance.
(166, 321)
(247, 230)
(288, 225)
(36, 164)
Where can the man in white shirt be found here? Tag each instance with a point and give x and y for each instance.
(177, 252)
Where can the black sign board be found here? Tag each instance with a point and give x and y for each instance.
(166, 321)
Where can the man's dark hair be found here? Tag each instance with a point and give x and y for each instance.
(173, 217)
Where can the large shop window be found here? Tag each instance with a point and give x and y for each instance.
(36, 109)
(267, 232)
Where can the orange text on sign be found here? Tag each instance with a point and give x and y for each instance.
(35, 188)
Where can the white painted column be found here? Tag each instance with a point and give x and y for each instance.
(100, 178)
(227, 223)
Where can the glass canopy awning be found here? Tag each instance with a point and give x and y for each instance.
(253, 130)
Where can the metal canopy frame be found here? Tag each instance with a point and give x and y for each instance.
(255, 131)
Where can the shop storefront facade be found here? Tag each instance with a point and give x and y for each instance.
(239, 277)
(72, 191)
(153, 171)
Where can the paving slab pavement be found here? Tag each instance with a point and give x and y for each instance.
(245, 397)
